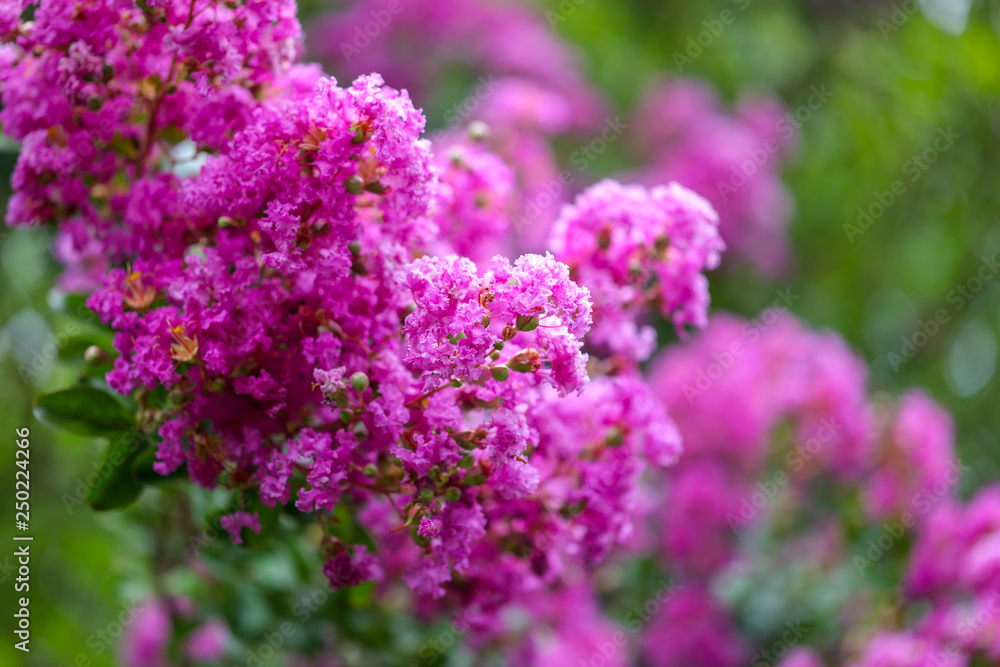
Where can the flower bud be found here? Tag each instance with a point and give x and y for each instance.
(359, 381)
(526, 361)
(527, 323)
(355, 184)
(95, 355)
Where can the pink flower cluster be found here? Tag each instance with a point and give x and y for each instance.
(774, 418)
(112, 101)
(318, 308)
(310, 309)
(639, 250)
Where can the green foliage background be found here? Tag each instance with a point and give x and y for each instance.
(893, 90)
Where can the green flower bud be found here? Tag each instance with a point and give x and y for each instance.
(359, 381)
(355, 184)
(525, 323)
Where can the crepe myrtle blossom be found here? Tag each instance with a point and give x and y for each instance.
(319, 314)
(813, 386)
(478, 195)
(318, 310)
(102, 95)
(639, 250)
(791, 420)
(233, 523)
(522, 317)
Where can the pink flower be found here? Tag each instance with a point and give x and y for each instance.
(233, 523)
(208, 642)
(639, 250)
(144, 642)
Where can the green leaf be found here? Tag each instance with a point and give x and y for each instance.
(113, 486)
(84, 411)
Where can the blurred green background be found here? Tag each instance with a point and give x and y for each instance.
(893, 91)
